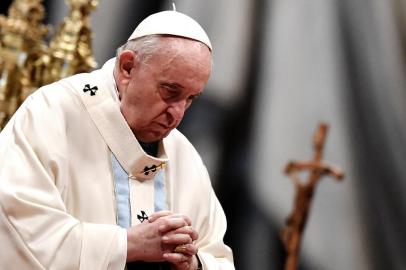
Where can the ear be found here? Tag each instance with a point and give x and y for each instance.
(126, 62)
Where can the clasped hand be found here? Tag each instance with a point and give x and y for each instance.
(155, 240)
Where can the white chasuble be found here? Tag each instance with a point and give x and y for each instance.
(58, 208)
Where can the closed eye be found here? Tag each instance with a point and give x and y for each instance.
(173, 92)
(169, 91)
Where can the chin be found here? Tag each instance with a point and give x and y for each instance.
(152, 136)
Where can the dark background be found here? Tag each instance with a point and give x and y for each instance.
(280, 67)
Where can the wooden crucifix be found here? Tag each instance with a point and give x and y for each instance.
(292, 233)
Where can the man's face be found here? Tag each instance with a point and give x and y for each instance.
(158, 92)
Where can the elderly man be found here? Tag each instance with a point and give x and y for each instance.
(94, 174)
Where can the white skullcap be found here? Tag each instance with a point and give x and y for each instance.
(171, 23)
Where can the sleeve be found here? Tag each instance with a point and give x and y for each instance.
(36, 232)
(213, 253)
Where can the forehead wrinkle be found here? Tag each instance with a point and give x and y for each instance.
(176, 52)
(168, 62)
(181, 47)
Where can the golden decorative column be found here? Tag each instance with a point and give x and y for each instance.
(70, 50)
(27, 63)
(21, 47)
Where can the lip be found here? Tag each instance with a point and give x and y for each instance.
(166, 126)
(163, 126)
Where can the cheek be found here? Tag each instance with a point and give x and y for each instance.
(143, 114)
(129, 114)
(140, 107)
(155, 111)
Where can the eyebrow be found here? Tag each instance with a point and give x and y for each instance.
(174, 85)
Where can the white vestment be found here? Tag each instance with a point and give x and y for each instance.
(58, 208)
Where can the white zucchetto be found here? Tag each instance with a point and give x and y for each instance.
(171, 23)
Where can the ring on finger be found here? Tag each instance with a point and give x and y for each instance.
(181, 249)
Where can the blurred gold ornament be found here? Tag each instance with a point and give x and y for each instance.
(21, 46)
(70, 51)
(27, 62)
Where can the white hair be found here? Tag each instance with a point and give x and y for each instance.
(145, 47)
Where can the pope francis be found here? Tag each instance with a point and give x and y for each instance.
(94, 174)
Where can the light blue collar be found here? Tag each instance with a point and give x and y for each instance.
(122, 193)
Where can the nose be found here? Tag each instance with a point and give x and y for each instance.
(176, 111)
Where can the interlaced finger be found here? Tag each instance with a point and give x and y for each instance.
(157, 215)
(172, 223)
(187, 230)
